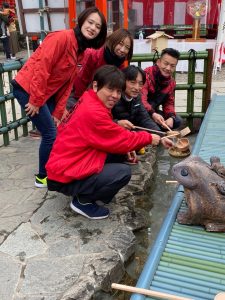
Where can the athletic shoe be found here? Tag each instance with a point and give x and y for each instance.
(40, 182)
(89, 210)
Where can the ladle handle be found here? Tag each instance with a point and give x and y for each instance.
(146, 292)
(171, 136)
(150, 130)
(167, 127)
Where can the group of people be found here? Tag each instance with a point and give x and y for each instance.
(86, 103)
(8, 31)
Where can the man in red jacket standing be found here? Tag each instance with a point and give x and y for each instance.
(77, 165)
(158, 90)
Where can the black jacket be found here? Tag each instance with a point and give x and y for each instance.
(134, 112)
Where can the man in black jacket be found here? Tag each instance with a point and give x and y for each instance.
(129, 111)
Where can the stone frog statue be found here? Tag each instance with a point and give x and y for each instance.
(204, 188)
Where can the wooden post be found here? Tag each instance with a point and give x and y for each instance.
(196, 32)
(191, 92)
(125, 14)
(207, 79)
(72, 13)
(196, 29)
(102, 5)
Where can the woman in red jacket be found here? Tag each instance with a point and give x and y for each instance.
(117, 49)
(77, 164)
(44, 84)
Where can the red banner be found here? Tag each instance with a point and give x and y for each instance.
(167, 7)
(11, 3)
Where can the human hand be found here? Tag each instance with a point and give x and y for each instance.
(56, 121)
(158, 118)
(132, 157)
(126, 124)
(167, 143)
(31, 109)
(169, 122)
(155, 139)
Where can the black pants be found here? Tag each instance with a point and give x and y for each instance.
(103, 186)
(6, 47)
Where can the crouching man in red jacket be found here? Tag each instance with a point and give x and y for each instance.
(77, 165)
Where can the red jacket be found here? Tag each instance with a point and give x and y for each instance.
(82, 143)
(93, 59)
(51, 70)
(158, 90)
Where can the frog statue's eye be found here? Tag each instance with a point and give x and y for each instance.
(184, 172)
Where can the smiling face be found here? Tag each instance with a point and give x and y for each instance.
(109, 96)
(167, 65)
(133, 87)
(91, 26)
(122, 49)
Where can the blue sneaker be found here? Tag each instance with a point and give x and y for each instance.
(89, 210)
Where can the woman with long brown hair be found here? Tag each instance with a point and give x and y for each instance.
(43, 85)
(117, 49)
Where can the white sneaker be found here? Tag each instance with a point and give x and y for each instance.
(3, 36)
(13, 57)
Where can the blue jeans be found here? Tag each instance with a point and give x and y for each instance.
(44, 123)
(6, 47)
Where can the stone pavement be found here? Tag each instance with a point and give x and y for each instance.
(48, 252)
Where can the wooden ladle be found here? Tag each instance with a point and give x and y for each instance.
(182, 144)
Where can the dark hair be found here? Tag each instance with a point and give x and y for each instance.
(5, 5)
(116, 37)
(131, 73)
(99, 40)
(172, 52)
(111, 77)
